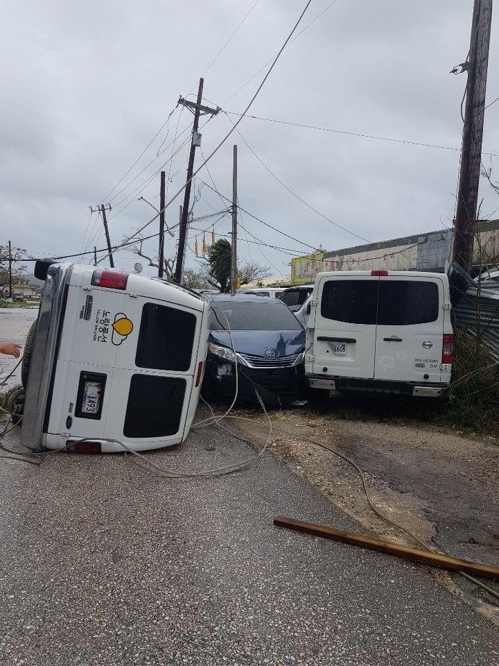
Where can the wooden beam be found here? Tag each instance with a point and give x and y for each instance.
(428, 558)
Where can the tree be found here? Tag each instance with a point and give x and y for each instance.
(195, 279)
(17, 255)
(168, 264)
(219, 260)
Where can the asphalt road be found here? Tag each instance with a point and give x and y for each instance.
(105, 563)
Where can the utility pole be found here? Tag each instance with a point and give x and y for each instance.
(95, 255)
(233, 261)
(471, 153)
(198, 109)
(102, 209)
(161, 251)
(10, 270)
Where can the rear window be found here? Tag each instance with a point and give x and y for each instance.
(351, 301)
(154, 406)
(166, 338)
(295, 296)
(400, 303)
(404, 302)
(269, 315)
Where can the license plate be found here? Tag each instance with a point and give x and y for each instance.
(91, 397)
(340, 349)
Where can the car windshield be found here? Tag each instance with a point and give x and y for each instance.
(269, 315)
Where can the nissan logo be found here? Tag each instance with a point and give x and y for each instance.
(270, 353)
(427, 344)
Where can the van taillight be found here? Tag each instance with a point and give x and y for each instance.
(109, 279)
(379, 272)
(447, 349)
(200, 374)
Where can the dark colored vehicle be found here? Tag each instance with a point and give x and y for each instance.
(295, 297)
(268, 344)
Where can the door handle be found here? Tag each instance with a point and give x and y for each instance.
(392, 339)
(327, 338)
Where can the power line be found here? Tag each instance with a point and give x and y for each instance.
(142, 153)
(296, 195)
(293, 40)
(230, 38)
(265, 223)
(357, 134)
(240, 119)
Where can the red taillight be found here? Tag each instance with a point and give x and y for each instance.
(109, 279)
(447, 349)
(87, 447)
(379, 272)
(199, 374)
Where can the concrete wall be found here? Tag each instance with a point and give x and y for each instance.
(423, 252)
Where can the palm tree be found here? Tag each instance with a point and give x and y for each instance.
(219, 258)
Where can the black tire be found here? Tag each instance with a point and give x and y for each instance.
(28, 350)
(15, 405)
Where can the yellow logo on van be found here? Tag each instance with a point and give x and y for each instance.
(122, 327)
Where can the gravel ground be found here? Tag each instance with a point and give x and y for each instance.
(104, 562)
(442, 487)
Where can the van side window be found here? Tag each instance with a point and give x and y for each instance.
(350, 301)
(154, 406)
(407, 302)
(166, 338)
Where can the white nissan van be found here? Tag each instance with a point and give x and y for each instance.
(113, 357)
(380, 332)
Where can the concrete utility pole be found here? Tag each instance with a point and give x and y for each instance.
(233, 262)
(471, 155)
(10, 270)
(161, 251)
(102, 209)
(198, 109)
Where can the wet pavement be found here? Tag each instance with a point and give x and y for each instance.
(14, 327)
(104, 562)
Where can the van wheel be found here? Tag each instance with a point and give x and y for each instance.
(15, 405)
(28, 350)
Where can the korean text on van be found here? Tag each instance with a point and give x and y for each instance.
(380, 332)
(113, 357)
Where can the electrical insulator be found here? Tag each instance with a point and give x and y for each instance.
(196, 248)
(204, 244)
(213, 237)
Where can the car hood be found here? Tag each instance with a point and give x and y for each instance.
(282, 343)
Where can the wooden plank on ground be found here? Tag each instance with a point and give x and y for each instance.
(421, 556)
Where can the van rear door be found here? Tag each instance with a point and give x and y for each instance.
(345, 325)
(409, 336)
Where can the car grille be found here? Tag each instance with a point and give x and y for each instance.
(263, 362)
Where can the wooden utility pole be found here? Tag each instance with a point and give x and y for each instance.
(198, 109)
(233, 261)
(161, 251)
(471, 155)
(102, 209)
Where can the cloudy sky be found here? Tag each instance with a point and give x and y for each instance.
(90, 116)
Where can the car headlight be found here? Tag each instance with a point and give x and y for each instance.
(223, 352)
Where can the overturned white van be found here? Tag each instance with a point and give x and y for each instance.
(380, 332)
(113, 362)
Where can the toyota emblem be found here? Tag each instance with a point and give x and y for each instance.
(270, 353)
